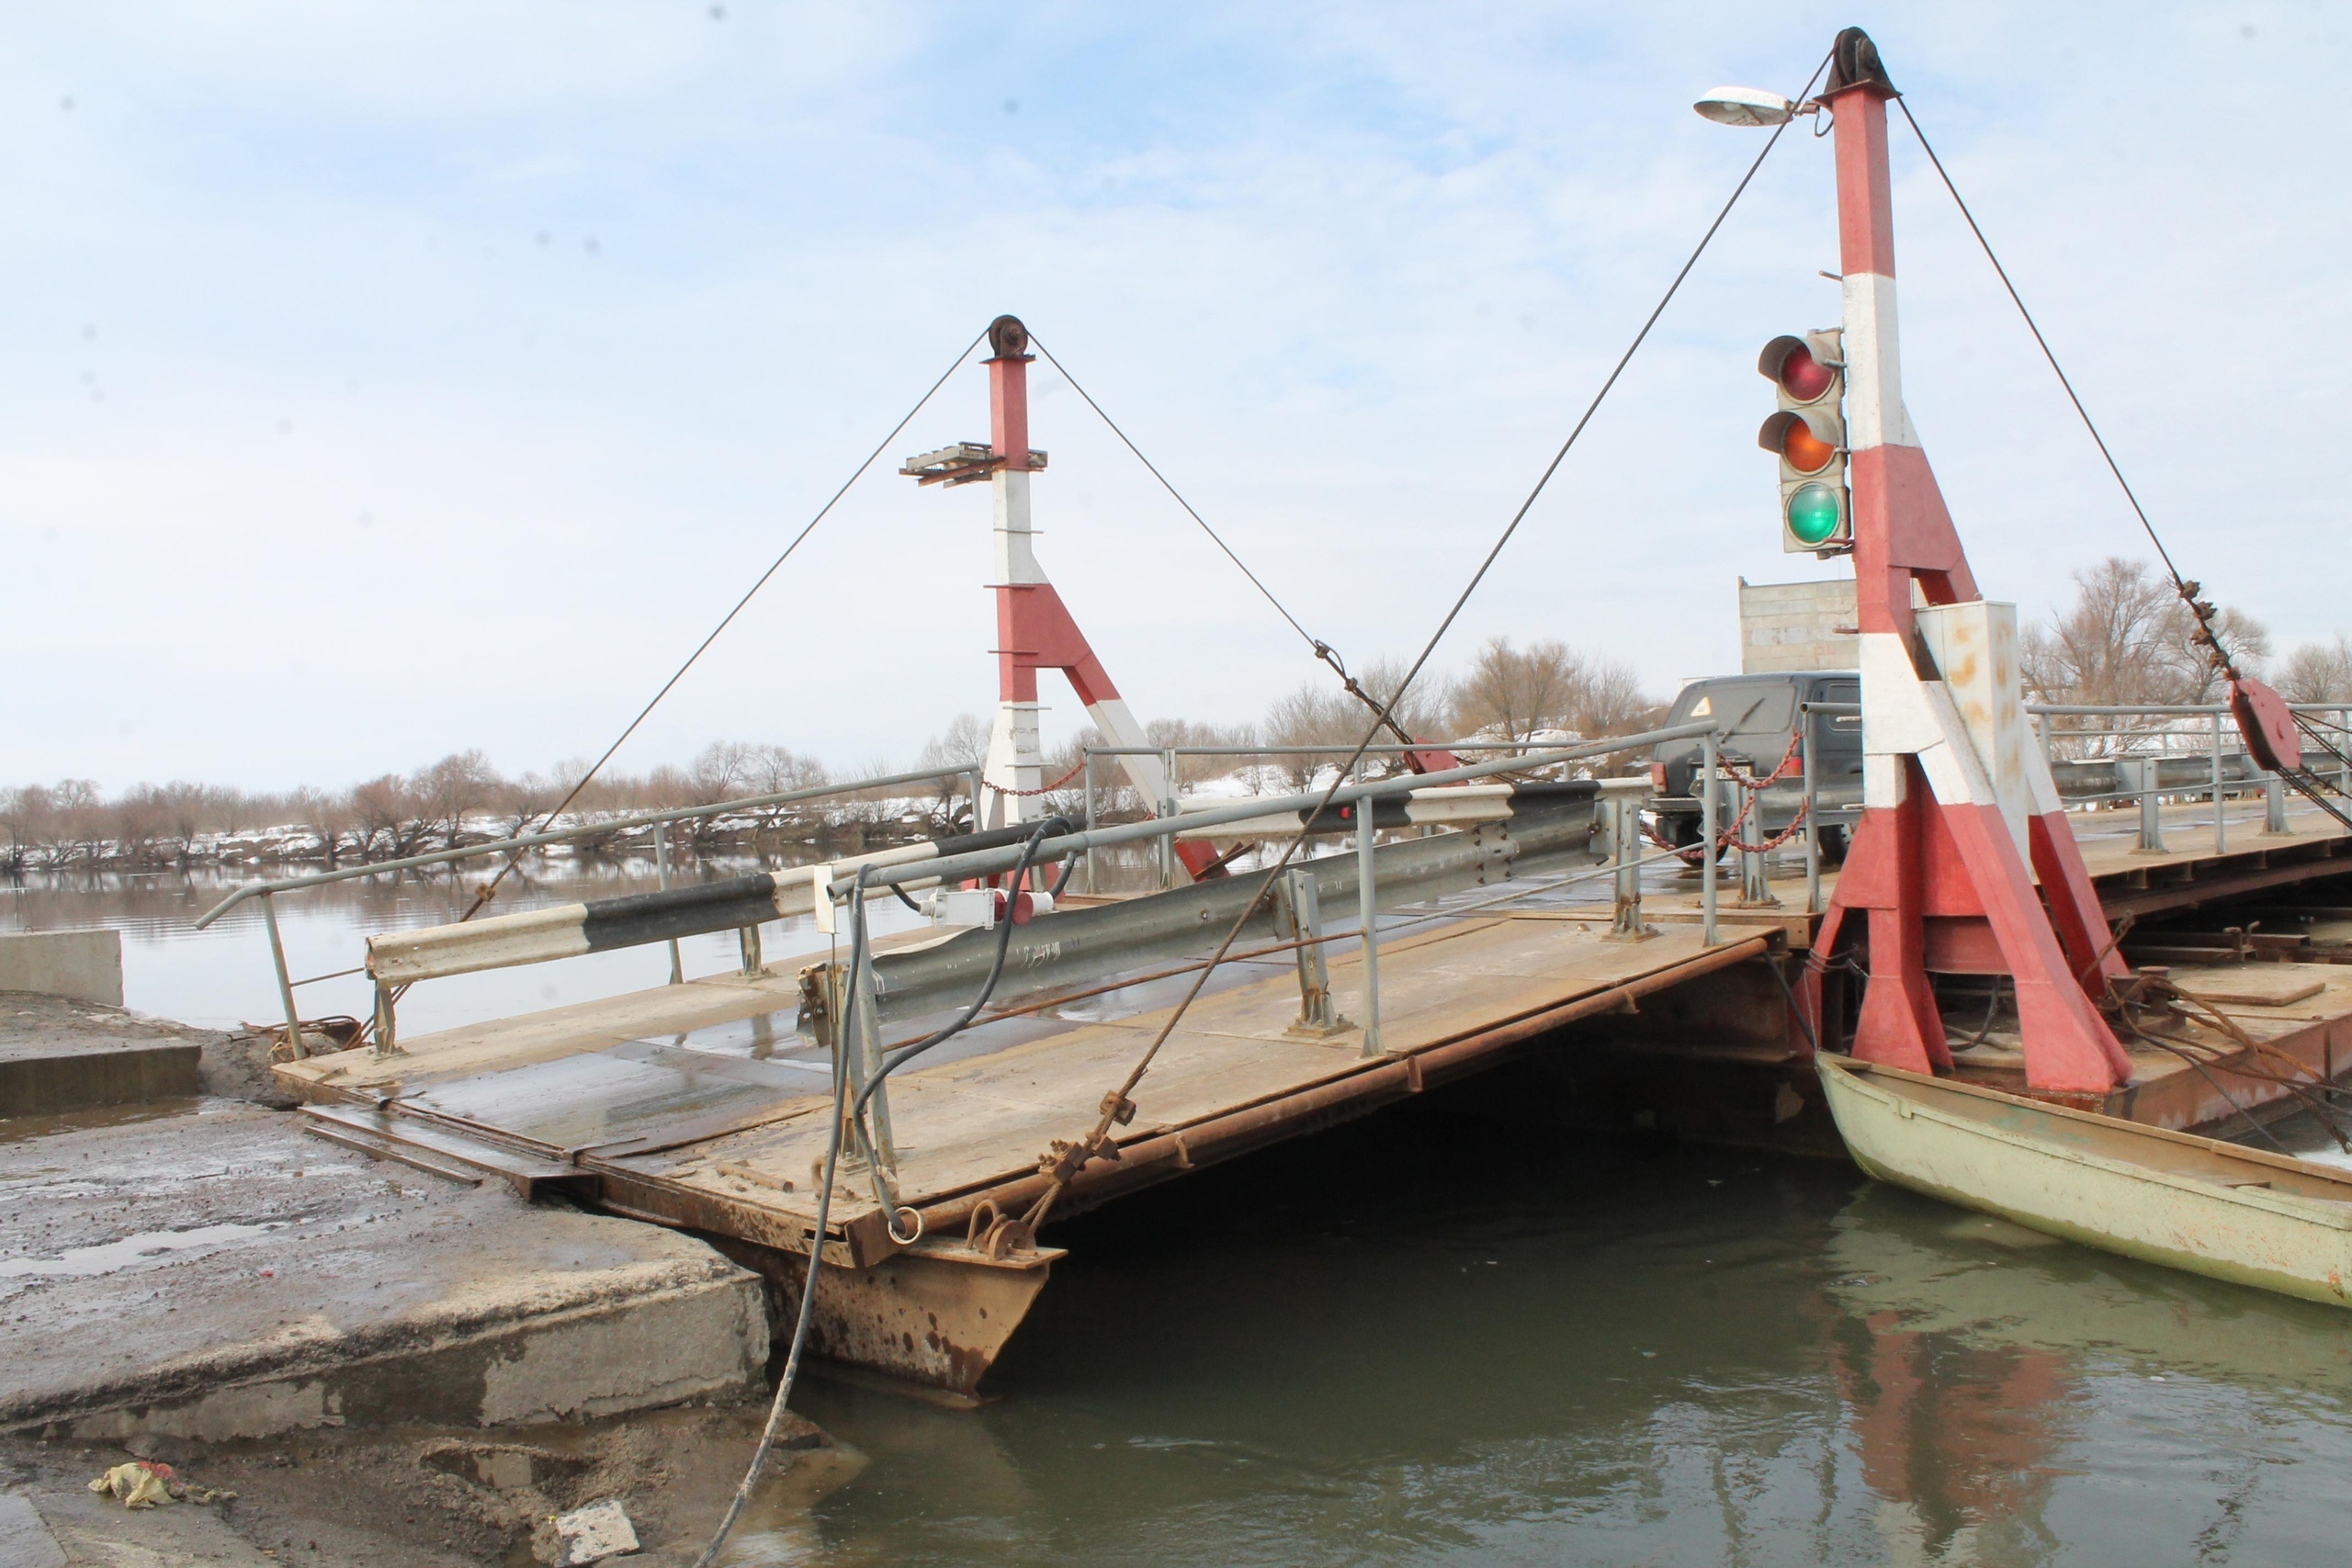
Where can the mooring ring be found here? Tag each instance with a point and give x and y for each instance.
(913, 1235)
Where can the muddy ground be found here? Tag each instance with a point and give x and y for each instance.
(420, 1497)
(409, 1496)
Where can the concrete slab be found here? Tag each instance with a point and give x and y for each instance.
(85, 1530)
(24, 1538)
(84, 965)
(60, 1054)
(219, 1274)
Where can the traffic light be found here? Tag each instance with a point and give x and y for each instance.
(1809, 375)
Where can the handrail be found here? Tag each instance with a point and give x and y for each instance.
(533, 841)
(2178, 709)
(1383, 748)
(985, 862)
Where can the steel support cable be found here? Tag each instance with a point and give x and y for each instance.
(860, 957)
(1178, 496)
(491, 888)
(790, 1376)
(1453, 912)
(1323, 651)
(2203, 610)
(1064, 1160)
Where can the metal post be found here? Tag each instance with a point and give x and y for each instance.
(2274, 804)
(1318, 1018)
(1755, 881)
(974, 776)
(1811, 823)
(2343, 736)
(2152, 822)
(1087, 758)
(750, 943)
(661, 864)
(1624, 815)
(1707, 847)
(2221, 829)
(1168, 808)
(285, 983)
(1368, 917)
(386, 1043)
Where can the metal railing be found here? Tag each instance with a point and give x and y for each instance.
(832, 886)
(1171, 804)
(2174, 752)
(604, 828)
(2193, 738)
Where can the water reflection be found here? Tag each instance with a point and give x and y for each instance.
(222, 975)
(1424, 1338)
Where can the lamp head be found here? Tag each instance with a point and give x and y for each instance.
(1744, 106)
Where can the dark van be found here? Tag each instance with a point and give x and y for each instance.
(1758, 714)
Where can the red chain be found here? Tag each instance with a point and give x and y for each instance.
(1752, 789)
(1043, 789)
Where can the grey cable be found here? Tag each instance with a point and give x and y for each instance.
(1217, 539)
(1385, 718)
(791, 1373)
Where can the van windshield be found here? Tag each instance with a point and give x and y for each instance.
(1749, 707)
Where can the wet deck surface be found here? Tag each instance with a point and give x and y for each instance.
(709, 1088)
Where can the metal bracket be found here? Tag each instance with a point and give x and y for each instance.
(1620, 819)
(1297, 907)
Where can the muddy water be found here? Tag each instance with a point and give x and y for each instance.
(1424, 1338)
(222, 975)
(1429, 1338)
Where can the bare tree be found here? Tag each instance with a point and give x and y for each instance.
(451, 789)
(24, 815)
(386, 818)
(2129, 641)
(773, 769)
(964, 744)
(2318, 672)
(1316, 713)
(1512, 693)
(2126, 638)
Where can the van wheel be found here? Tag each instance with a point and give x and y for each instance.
(1833, 844)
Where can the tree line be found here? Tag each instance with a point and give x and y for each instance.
(2125, 638)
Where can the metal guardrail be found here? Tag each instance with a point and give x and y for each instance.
(885, 871)
(2144, 750)
(1171, 804)
(658, 820)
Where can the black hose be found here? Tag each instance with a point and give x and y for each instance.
(858, 954)
(897, 1059)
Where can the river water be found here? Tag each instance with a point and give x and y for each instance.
(1429, 1339)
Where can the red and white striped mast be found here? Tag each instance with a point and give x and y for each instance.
(1960, 815)
(1033, 629)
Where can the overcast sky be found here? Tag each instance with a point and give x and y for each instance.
(379, 381)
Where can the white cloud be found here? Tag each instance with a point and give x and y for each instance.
(356, 470)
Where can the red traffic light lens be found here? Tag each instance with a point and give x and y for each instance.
(1806, 453)
(1805, 378)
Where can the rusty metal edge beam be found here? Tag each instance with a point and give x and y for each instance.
(2316, 867)
(865, 1241)
(1167, 1154)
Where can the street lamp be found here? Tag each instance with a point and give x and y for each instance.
(1747, 106)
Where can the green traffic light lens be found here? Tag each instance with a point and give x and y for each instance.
(1813, 514)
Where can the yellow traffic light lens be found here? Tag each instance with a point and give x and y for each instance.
(1813, 514)
(1805, 452)
(1804, 376)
